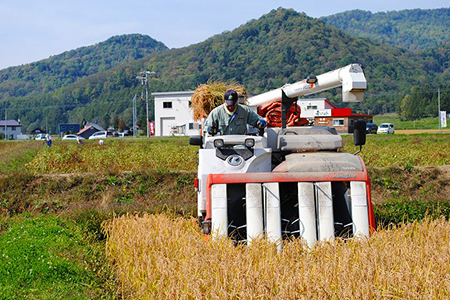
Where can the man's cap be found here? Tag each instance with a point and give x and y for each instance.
(230, 97)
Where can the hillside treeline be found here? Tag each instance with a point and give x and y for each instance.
(415, 29)
(61, 70)
(281, 47)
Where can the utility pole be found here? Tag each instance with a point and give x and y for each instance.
(439, 108)
(134, 116)
(6, 118)
(143, 76)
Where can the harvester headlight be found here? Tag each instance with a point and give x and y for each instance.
(249, 143)
(218, 143)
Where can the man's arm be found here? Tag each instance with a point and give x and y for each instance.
(211, 124)
(252, 118)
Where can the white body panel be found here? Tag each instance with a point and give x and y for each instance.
(219, 224)
(254, 211)
(359, 208)
(307, 212)
(273, 212)
(325, 217)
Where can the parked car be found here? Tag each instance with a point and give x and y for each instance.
(40, 137)
(386, 128)
(72, 137)
(100, 135)
(371, 128)
(122, 134)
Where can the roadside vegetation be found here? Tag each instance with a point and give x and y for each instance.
(53, 202)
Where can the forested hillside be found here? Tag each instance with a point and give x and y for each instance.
(413, 30)
(282, 46)
(63, 69)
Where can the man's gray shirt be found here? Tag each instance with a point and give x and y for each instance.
(236, 124)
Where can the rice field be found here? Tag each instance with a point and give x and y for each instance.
(176, 154)
(115, 155)
(164, 257)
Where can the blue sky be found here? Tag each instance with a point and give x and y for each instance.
(32, 30)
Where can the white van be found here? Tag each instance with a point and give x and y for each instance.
(40, 137)
(99, 135)
(386, 128)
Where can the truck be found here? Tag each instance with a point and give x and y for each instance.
(287, 182)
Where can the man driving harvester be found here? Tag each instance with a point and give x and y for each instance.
(232, 117)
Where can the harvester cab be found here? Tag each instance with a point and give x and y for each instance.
(290, 182)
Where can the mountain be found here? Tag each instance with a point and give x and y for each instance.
(415, 29)
(61, 70)
(283, 46)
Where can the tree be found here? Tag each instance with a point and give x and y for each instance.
(142, 121)
(121, 124)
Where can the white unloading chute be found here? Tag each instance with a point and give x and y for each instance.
(350, 77)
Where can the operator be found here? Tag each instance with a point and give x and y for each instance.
(232, 117)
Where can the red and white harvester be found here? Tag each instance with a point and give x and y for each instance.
(288, 181)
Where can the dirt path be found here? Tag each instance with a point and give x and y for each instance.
(415, 131)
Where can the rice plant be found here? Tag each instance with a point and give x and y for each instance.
(163, 257)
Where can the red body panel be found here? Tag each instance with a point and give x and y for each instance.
(290, 177)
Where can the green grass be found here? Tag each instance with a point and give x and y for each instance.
(425, 123)
(14, 155)
(403, 210)
(48, 257)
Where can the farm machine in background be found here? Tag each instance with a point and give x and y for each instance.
(287, 181)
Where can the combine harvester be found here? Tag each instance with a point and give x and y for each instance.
(287, 181)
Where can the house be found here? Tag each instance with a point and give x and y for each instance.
(310, 108)
(37, 130)
(11, 128)
(89, 129)
(174, 115)
(65, 127)
(341, 118)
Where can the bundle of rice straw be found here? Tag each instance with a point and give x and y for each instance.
(208, 96)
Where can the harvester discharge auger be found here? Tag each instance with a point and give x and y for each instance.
(290, 181)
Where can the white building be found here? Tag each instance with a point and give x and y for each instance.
(12, 128)
(174, 115)
(315, 107)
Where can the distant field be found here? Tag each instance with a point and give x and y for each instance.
(420, 124)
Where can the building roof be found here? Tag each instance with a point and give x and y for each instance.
(96, 126)
(329, 103)
(166, 94)
(10, 123)
(86, 128)
(305, 100)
